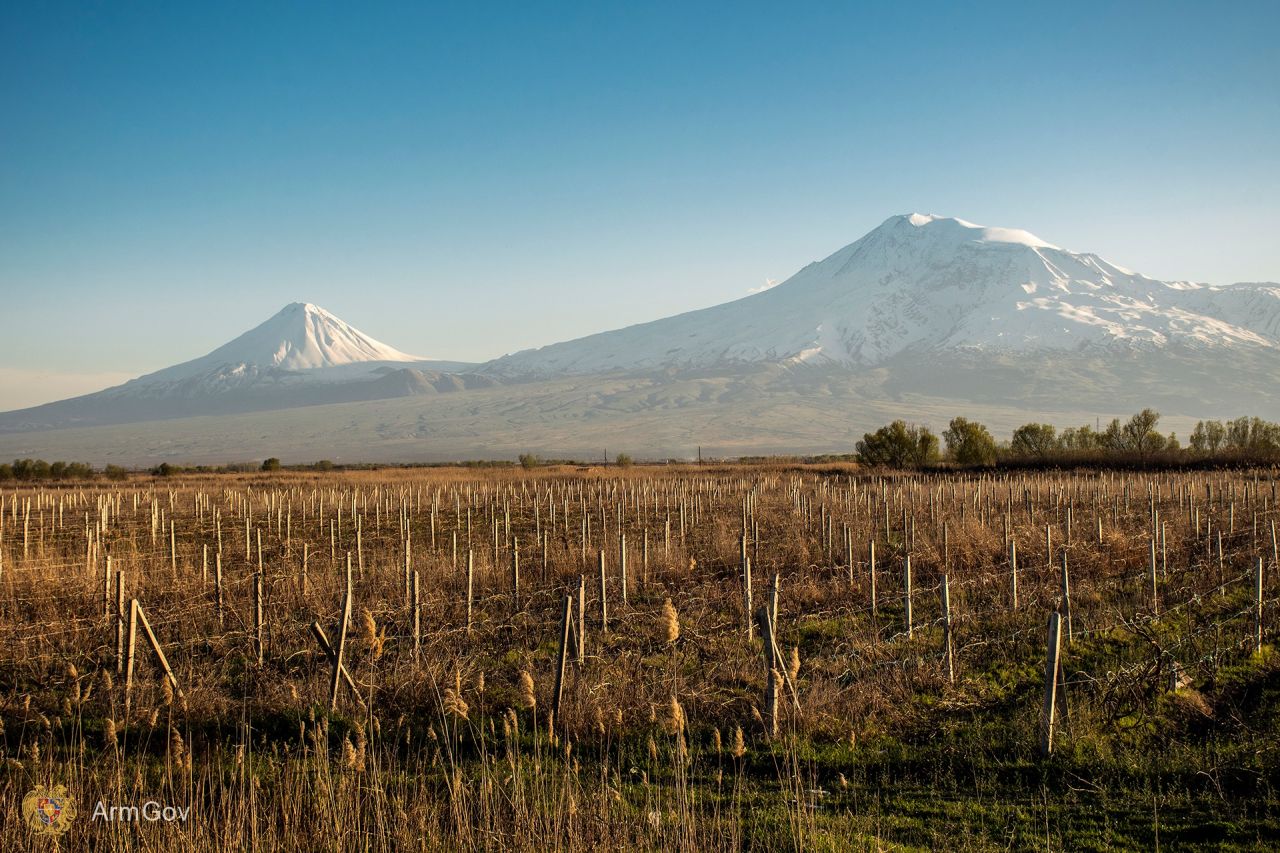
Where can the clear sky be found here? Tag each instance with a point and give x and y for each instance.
(463, 182)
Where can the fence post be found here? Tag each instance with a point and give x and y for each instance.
(946, 615)
(342, 642)
(1051, 670)
(564, 654)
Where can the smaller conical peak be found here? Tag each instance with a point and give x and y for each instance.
(301, 336)
(952, 229)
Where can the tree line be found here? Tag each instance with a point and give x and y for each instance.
(1135, 441)
(26, 470)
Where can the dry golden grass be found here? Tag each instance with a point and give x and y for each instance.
(661, 738)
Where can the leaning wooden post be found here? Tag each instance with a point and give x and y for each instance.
(155, 647)
(259, 646)
(604, 597)
(342, 642)
(323, 641)
(1050, 684)
(946, 616)
(746, 598)
(564, 655)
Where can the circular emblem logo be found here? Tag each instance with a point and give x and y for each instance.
(48, 811)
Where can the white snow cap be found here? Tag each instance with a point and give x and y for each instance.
(301, 336)
(304, 336)
(959, 229)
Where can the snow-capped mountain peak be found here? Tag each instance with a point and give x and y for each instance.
(919, 285)
(301, 336)
(960, 230)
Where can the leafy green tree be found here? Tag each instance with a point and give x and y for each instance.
(969, 443)
(623, 460)
(528, 461)
(115, 472)
(272, 464)
(1038, 440)
(1139, 434)
(898, 445)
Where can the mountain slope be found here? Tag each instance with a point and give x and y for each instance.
(928, 284)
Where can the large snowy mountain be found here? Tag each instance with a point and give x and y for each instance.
(924, 285)
(924, 318)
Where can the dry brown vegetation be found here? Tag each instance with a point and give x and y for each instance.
(677, 727)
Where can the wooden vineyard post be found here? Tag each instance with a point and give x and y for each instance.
(1066, 595)
(1257, 611)
(946, 625)
(746, 597)
(771, 674)
(604, 598)
(342, 642)
(775, 590)
(217, 590)
(106, 587)
(564, 654)
(515, 572)
(907, 602)
(1052, 679)
(417, 619)
(471, 574)
(119, 623)
(1155, 594)
(644, 560)
(408, 576)
(1013, 570)
(875, 606)
(622, 565)
(257, 616)
(304, 569)
(580, 624)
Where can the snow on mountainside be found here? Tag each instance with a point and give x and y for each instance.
(925, 283)
(301, 336)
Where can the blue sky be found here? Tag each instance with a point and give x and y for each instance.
(463, 182)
